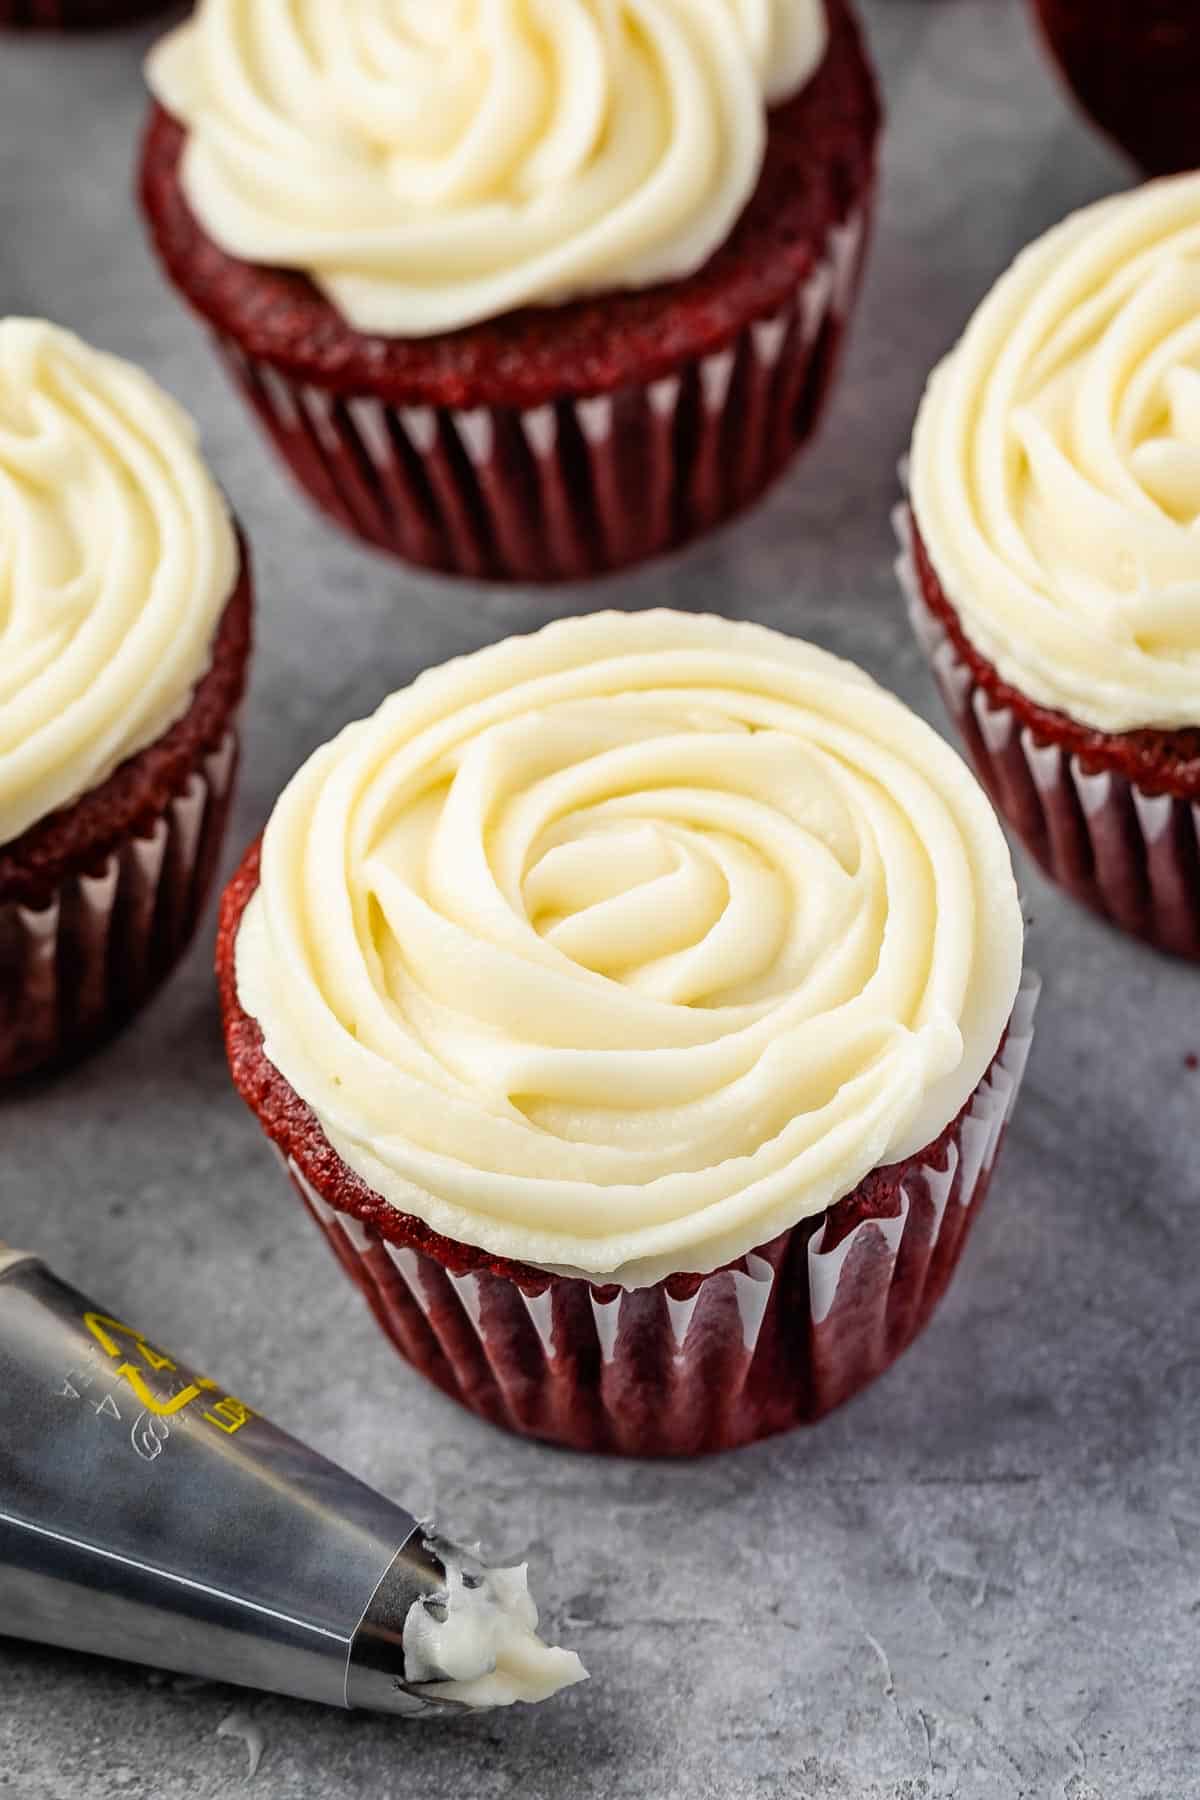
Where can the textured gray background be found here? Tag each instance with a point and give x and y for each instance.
(982, 1580)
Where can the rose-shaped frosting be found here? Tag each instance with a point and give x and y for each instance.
(117, 556)
(429, 165)
(620, 948)
(1056, 465)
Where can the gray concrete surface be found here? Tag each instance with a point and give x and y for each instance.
(982, 1580)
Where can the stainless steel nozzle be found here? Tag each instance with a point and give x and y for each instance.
(148, 1514)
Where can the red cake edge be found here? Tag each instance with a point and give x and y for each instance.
(76, 838)
(1166, 762)
(1113, 819)
(99, 901)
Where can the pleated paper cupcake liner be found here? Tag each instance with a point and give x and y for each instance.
(573, 489)
(74, 971)
(696, 1363)
(1130, 855)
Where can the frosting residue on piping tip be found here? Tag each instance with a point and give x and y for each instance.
(476, 1642)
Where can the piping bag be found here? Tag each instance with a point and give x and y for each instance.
(148, 1514)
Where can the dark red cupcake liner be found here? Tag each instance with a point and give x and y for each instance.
(76, 969)
(99, 900)
(572, 489)
(696, 1363)
(75, 15)
(1134, 66)
(1128, 853)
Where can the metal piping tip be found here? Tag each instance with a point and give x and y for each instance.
(148, 1514)
(468, 1641)
(377, 1677)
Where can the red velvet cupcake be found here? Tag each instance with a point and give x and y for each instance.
(74, 15)
(638, 1010)
(1052, 560)
(1134, 66)
(540, 320)
(125, 603)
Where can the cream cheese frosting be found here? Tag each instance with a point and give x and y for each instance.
(620, 948)
(476, 1641)
(429, 166)
(117, 556)
(1056, 465)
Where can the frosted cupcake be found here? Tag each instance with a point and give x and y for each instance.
(638, 1008)
(1055, 569)
(525, 291)
(124, 637)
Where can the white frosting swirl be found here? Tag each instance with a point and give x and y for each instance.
(429, 166)
(620, 948)
(117, 556)
(1056, 465)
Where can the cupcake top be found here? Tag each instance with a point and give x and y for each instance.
(117, 556)
(1056, 466)
(431, 166)
(620, 948)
